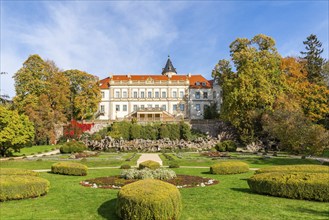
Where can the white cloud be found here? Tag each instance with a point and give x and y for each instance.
(98, 37)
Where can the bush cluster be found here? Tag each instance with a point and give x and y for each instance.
(149, 164)
(72, 147)
(131, 157)
(22, 186)
(295, 168)
(228, 145)
(69, 168)
(229, 167)
(16, 171)
(129, 131)
(298, 185)
(160, 174)
(173, 164)
(149, 199)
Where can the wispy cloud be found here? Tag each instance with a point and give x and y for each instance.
(111, 37)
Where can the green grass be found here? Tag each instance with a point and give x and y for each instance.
(35, 149)
(230, 199)
(254, 161)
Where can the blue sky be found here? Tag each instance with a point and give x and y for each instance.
(103, 37)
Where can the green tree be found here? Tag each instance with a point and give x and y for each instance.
(163, 131)
(253, 88)
(41, 93)
(313, 59)
(295, 132)
(84, 94)
(185, 131)
(211, 112)
(16, 131)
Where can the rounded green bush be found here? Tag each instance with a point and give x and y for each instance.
(229, 167)
(22, 186)
(298, 185)
(149, 199)
(72, 147)
(16, 171)
(149, 164)
(173, 164)
(228, 145)
(125, 166)
(295, 168)
(69, 168)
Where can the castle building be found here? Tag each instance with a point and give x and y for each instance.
(165, 97)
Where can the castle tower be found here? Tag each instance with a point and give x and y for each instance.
(169, 69)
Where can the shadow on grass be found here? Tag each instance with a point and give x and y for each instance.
(243, 190)
(206, 172)
(311, 211)
(107, 210)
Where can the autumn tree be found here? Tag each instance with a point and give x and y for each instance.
(16, 131)
(313, 59)
(41, 93)
(84, 94)
(313, 98)
(253, 88)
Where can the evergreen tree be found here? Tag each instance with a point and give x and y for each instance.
(313, 59)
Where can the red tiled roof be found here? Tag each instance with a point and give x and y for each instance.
(104, 83)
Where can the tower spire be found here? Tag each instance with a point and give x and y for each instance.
(169, 69)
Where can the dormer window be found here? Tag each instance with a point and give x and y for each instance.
(197, 83)
(203, 83)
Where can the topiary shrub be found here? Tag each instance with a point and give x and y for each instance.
(173, 164)
(149, 199)
(125, 166)
(22, 186)
(295, 168)
(228, 145)
(310, 186)
(72, 147)
(69, 168)
(229, 167)
(16, 171)
(149, 164)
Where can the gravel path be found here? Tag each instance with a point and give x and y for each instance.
(36, 155)
(145, 157)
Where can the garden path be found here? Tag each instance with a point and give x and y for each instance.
(145, 157)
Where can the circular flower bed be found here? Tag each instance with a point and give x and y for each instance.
(116, 182)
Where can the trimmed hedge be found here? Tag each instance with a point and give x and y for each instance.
(295, 168)
(309, 186)
(228, 145)
(69, 168)
(72, 147)
(125, 166)
(22, 186)
(149, 199)
(149, 164)
(16, 171)
(229, 167)
(173, 164)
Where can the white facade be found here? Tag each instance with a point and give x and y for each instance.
(183, 96)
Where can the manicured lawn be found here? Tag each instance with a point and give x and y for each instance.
(35, 150)
(230, 199)
(254, 161)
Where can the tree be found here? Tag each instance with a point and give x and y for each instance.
(295, 132)
(253, 88)
(211, 112)
(16, 131)
(313, 59)
(311, 97)
(84, 94)
(41, 93)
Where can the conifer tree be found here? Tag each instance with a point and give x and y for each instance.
(313, 59)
